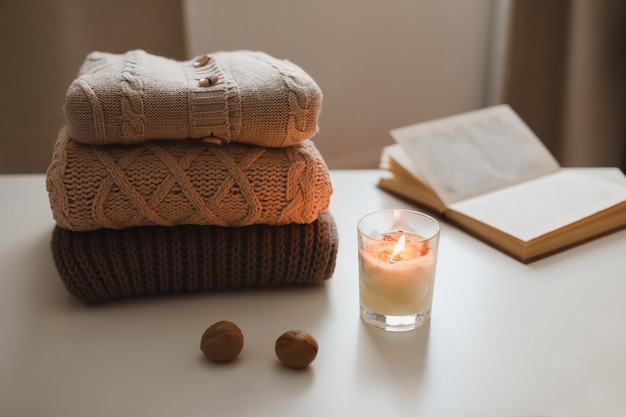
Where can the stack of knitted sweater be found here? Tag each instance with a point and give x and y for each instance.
(178, 176)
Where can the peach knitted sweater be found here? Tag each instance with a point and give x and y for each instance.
(233, 96)
(176, 182)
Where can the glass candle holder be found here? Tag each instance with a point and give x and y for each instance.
(397, 263)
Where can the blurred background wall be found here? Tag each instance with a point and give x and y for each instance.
(560, 64)
(379, 64)
(42, 45)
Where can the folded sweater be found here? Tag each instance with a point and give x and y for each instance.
(107, 264)
(171, 183)
(229, 96)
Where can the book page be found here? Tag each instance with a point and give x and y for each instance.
(473, 153)
(534, 208)
(396, 153)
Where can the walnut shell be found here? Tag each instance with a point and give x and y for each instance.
(222, 341)
(296, 349)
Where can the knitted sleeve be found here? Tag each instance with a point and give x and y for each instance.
(234, 96)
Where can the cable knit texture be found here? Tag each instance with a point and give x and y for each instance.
(174, 177)
(170, 183)
(234, 96)
(107, 264)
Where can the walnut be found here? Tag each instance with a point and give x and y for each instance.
(296, 349)
(222, 341)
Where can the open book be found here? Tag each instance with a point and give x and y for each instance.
(488, 173)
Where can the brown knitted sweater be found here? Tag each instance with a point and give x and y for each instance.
(178, 182)
(107, 264)
(235, 96)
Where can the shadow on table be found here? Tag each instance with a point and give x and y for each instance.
(397, 359)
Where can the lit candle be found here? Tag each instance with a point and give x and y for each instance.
(397, 273)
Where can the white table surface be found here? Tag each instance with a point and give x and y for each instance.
(505, 339)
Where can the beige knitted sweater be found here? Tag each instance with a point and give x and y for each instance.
(235, 96)
(175, 182)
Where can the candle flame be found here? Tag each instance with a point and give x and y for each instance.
(399, 246)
